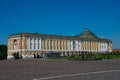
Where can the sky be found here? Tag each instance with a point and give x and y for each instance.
(61, 17)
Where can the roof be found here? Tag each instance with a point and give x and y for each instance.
(87, 34)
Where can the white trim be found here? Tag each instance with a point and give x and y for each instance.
(26, 56)
(10, 57)
(57, 50)
(15, 38)
(17, 50)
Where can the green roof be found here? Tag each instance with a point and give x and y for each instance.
(87, 34)
(84, 35)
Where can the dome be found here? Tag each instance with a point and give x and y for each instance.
(87, 34)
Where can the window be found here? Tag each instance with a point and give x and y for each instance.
(15, 44)
(30, 45)
(34, 45)
(38, 45)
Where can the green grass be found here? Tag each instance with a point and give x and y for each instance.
(95, 56)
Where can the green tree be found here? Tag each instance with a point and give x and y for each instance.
(3, 52)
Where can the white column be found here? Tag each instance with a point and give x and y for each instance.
(46, 45)
(68, 43)
(79, 47)
(29, 42)
(98, 46)
(101, 46)
(43, 44)
(71, 45)
(64, 45)
(36, 44)
(104, 46)
(52, 44)
(40, 44)
(107, 46)
(32, 43)
(59, 44)
(49, 44)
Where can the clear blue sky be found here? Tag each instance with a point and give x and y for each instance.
(62, 17)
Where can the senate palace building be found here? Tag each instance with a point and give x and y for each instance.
(28, 45)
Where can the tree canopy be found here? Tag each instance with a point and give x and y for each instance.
(3, 52)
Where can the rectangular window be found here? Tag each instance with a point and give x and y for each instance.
(34, 45)
(38, 45)
(30, 45)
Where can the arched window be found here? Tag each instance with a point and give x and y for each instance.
(15, 44)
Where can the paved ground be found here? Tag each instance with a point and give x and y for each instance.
(36, 69)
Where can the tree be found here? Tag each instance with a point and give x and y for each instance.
(3, 52)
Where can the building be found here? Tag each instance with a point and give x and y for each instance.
(29, 45)
(116, 50)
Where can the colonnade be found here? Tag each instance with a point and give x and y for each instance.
(66, 45)
(39, 46)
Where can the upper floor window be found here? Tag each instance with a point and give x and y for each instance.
(15, 44)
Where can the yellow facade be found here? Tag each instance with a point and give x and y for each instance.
(31, 44)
